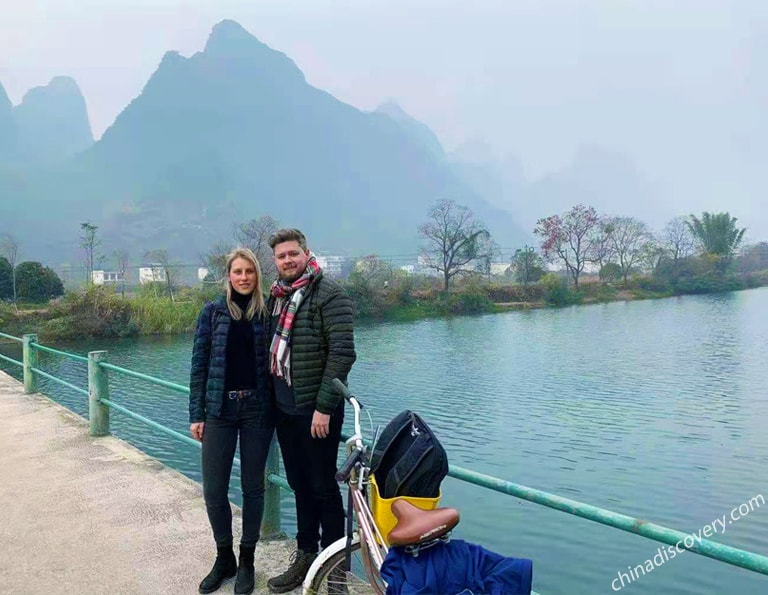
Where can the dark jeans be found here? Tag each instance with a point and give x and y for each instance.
(253, 419)
(310, 466)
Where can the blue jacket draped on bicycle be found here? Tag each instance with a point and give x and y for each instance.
(456, 567)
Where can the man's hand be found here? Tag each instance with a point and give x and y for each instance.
(320, 425)
(197, 430)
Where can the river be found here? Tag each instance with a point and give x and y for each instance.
(655, 409)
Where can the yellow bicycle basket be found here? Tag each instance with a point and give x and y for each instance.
(382, 508)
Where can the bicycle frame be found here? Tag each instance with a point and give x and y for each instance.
(373, 548)
(371, 539)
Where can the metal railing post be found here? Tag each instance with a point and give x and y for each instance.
(270, 524)
(29, 360)
(98, 388)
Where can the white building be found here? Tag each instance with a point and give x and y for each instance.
(202, 273)
(499, 269)
(151, 274)
(331, 265)
(106, 277)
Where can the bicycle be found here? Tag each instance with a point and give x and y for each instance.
(353, 563)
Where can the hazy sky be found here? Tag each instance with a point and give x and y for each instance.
(680, 88)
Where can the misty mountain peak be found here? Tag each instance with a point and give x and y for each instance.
(227, 33)
(416, 130)
(5, 102)
(231, 43)
(60, 87)
(64, 84)
(393, 109)
(52, 121)
(171, 57)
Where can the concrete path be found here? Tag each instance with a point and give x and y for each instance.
(82, 515)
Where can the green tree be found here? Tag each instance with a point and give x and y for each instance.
(36, 283)
(717, 235)
(527, 265)
(6, 279)
(89, 242)
(9, 248)
(754, 258)
(368, 285)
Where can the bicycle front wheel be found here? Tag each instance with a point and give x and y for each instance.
(333, 579)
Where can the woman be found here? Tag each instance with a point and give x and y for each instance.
(229, 396)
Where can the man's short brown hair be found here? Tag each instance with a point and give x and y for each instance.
(287, 235)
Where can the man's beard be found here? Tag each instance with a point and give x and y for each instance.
(290, 276)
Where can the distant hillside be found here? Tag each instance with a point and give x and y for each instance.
(417, 131)
(235, 132)
(52, 122)
(50, 125)
(607, 180)
(8, 146)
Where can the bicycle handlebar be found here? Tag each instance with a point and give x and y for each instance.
(344, 471)
(341, 389)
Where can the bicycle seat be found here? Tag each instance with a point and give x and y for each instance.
(415, 525)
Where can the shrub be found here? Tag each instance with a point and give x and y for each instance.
(96, 312)
(712, 283)
(610, 272)
(557, 292)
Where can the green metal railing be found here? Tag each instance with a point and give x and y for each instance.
(5, 358)
(100, 403)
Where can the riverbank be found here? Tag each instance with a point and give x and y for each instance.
(100, 312)
(84, 515)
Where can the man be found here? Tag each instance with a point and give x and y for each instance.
(312, 343)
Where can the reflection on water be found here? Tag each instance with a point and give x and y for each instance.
(653, 409)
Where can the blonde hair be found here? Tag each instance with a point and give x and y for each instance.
(256, 303)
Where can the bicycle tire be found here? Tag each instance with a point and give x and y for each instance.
(356, 581)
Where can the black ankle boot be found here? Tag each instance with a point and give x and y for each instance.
(225, 567)
(245, 574)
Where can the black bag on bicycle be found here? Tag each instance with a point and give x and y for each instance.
(408, 459)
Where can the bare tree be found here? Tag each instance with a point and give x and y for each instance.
(653, 253)
(484, 263)
(9, 247)
(121, 259)
(255, 235)
(677, 239)
(170, 273)
(89, 242)
(628, 238)
(457, 242)
(372, 271)
(604, 252)
(215, 260)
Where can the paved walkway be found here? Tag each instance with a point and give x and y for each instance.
(82, 515)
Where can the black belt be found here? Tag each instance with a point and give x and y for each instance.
(240, 394)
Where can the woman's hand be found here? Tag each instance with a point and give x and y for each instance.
(197, 430)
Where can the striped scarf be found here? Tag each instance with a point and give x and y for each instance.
(288, 297)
